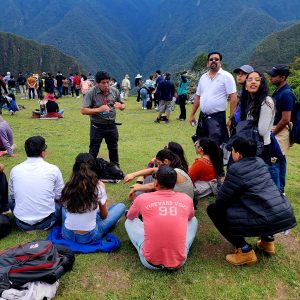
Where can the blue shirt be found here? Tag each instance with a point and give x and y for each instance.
(284, 101)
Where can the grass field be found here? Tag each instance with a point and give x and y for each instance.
(119, 275)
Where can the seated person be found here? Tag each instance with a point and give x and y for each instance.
(163, 157)
(205, 170)
(86, 218)
(3, 191)
(35, 187)
(52, 107)
(6, 139)
(249, 204)
(169, 227)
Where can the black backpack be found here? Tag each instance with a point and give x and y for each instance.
(108, 171)
(39, 260)
(295, 118)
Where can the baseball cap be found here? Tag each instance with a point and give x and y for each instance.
(245, 68)
(282, 70)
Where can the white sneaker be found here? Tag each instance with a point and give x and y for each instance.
(78, 97)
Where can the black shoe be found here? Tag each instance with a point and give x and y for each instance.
(157, 121)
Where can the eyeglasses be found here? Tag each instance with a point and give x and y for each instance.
(214, 59)
(256, 79)
(44, 147)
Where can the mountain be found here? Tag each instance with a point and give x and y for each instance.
(130, 36)
(278, 48)
(19, 54)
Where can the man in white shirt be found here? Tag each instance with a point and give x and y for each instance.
(213, 90)
(35, 186)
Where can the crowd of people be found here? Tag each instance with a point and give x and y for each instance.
(250, 199)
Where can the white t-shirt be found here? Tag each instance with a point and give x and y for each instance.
(214, 92)
(87, 220)
(35, 185)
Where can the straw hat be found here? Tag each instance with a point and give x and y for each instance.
(138, 76)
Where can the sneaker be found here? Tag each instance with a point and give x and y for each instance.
(167, 121)
(157, 121)
(240, 258)
(266, 247)
(78, 97)
(181, 119)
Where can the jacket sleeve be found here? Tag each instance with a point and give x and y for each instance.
(231, 189)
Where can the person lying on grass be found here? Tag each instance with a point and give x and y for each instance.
(163, 157)
(168, 229)
(249, 204)
(85, 215)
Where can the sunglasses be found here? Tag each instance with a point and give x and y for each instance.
(44, 147)
(257, 79)
(214, 59)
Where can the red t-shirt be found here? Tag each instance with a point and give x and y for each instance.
(202, 169)
(165, 215)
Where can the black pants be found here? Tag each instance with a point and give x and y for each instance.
(214, 127)
(182, 101)
(110, 133)
(31, 93)
(218, 217)
(3, 193)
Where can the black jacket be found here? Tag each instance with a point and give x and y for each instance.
(252, 202)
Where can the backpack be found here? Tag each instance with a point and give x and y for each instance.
(295, 118)
(39, 260)
(108, 171)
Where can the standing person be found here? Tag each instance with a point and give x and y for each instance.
(284, 99)
(85, 85)
(65, 86)
(11, 84)
(241, 75)
(2, 86)
(49, 84)
(85, 214)
(32, 85)
(59, 83)
(258, 108)
(249, 205)
(7, 145)
(182, 95)
(168, 229)
(165, 92)
(91, 78)
(100, 103)
(76, 84)
(126, 86)
(212, 93)
(71, 84)
(35, 187)
(22, 85)
(158, 79)
(40, 83)
(138, 82)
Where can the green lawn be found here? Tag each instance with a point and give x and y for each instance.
(119, 275)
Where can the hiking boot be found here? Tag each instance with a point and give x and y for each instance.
(157, 121)
(266, 247)
(240, 258)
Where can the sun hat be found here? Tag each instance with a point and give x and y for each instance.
(138, 76)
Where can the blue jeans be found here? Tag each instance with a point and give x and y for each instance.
(136, 233)
(144, 94)
(44, 224)
(278, 173)
(115, 212)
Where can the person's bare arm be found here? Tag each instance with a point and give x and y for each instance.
(285, 120)
(195, 107)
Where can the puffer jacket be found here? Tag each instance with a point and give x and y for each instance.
(252, 202)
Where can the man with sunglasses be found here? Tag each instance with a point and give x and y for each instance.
(35, 187)
(212, 93)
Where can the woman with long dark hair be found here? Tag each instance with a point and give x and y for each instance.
(205, 170)
(86, 217)
(258, 106)
(163, 157)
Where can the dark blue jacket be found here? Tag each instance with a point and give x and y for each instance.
(165, 90)
(252, 202)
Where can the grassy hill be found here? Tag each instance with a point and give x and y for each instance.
(19, 54)
(278, 48)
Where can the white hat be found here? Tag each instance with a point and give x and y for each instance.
(126, 76)
(138, 76)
